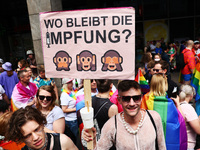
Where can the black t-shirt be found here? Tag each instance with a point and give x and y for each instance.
(173, 89)
(102, 116)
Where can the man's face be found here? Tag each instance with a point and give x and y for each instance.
(34, 135)
(93, 84)
(157, 69)
(26, 77)
(196, 46)
(30, 56)
(42, 74)
(132, 107)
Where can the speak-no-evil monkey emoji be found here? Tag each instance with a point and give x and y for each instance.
(86, 61)
(62, 60)
(111, 61)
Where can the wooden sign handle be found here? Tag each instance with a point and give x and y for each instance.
(88, 103)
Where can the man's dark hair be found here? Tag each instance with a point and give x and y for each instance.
(164, 64)
(20, 118)
(103, 85)
(3, 106)
(21, 73)
(126, 85)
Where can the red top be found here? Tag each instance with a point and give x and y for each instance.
(189, 59)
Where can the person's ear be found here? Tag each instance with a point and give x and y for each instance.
(119, 99)
(165, 71)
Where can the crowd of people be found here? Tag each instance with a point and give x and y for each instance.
(35, 115)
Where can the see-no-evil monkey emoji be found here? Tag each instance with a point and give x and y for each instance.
(62, 60)
(86, 61)
(111, 61)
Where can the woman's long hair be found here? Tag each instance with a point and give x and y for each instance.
(158, 85)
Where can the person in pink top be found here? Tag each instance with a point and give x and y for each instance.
(114, 100)
(189, 59)
(189, 114)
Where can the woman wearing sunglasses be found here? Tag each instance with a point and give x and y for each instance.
(46, 103)
(173, 122)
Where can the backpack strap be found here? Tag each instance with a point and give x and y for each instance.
(100, 109)
(154, 125)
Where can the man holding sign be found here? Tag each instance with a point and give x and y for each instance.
(134, 128)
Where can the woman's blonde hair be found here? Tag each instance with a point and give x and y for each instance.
(49, 89)
(186, 90)
(158, 85)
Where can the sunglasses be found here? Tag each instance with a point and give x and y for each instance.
(48, 98)
(136, 98)
(92, 80)
(156, 70)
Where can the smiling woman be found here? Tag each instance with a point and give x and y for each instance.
(46, 104)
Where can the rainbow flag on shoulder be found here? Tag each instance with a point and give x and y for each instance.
(142, 82)
(173, 122)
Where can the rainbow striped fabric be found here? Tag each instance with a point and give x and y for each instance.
(142, 82)
(195, 82)
(173, 122)
(71, 94)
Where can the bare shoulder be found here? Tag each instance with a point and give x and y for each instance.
(66, 143)
(113, 110)
(114, 107)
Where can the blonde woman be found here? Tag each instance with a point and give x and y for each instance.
(173, 122)
(46, 104)
(68, 104)
(191, 117)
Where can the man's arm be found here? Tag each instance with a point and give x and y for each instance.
(66, 143)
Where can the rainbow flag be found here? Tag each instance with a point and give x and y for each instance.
(142, 82)
(173, 122)
(195, 82)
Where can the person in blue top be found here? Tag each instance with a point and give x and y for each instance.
(41, 80)
(158, 48)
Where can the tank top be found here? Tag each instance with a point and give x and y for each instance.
(102, 116)
(56, 146)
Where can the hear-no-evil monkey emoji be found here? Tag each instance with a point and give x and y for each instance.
(86, 61)
(111, 61)
(62, 60)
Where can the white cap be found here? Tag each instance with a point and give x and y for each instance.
(29, 52)
(66, 80)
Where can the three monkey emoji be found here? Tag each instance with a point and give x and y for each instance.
(86, 61)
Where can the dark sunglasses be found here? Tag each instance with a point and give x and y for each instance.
(92, 80)
(157, 70)
(48, 98)
(136, 98)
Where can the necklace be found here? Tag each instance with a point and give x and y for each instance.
(71, 94)
(46, 113)
(131, 131)
(45, 144)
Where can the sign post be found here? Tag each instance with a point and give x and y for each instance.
(88, 103)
